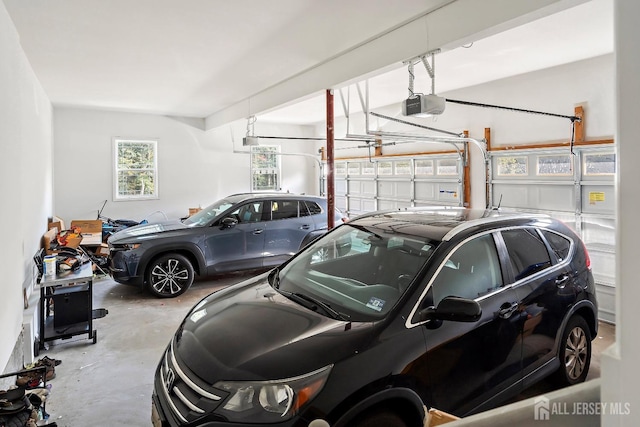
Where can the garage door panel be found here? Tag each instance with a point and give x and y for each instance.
(606, 302)
(369, 188)
(598, 199)
(599, 231)
(341, 203)
(555, 197)
(386, 204)
(579, 190)
(426, 191)
(449, 193)
(385, 189)
(395, 189)
(511, 196)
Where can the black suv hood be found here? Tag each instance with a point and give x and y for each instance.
(140, 231)
(252, 332)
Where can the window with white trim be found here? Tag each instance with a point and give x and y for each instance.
(265, 167)
(136, 169)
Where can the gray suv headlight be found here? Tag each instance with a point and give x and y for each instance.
(271, 401)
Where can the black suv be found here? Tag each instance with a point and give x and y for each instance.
(385, 315)
(240, 232)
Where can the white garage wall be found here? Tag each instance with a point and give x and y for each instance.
(195, 167)
(25, 180)
(589, 83)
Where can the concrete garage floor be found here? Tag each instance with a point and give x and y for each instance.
(110, 383)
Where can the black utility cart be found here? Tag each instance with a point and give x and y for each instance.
(66, 305)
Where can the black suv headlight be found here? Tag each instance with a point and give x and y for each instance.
(271, 401)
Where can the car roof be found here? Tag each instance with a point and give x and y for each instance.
(240, 197)
(441, 223)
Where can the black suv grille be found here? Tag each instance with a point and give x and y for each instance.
(188, 399)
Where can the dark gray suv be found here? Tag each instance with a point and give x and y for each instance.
(240, 232)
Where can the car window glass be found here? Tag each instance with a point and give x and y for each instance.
(472, 271)
(527, 252)
(282, 209)
(250, 212)
(559, 244)
(312, 207)
(207, 214)
(359, 271)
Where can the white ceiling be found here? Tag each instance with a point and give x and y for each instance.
(194, 58)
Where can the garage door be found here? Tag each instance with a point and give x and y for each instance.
(394, 183)
(577, 189)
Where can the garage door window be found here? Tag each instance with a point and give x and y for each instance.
(136, 169)
(554, 165)
(600, 164)
(512, 166)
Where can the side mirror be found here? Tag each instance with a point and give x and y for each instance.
(455, 309)
(228, 222)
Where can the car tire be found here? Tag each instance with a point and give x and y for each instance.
(575, 353)
(382, 419)
(169, 276)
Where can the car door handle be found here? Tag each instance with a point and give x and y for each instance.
(258, 230)
(561, 281)
(305, 227)
(507, 309)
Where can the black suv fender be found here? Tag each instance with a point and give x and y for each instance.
(588, 311)
(394, 398)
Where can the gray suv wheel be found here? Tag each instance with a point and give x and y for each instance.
(170, 275)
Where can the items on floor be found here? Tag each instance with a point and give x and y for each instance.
(23, 405)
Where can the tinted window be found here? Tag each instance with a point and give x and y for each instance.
(313, 207)
(250, 212)
(559, 244)
(282, 209)
(527, 252)
(472, 271)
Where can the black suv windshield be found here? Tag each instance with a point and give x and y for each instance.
(360, 272)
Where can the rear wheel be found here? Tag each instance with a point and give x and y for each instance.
(382, 419)
(170, 275)
(575, 352)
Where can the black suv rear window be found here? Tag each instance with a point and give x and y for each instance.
(527, 252)
(559, 244)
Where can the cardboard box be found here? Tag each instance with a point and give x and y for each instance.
(55, 224)
(436, 417)
(90, 229)
(47, 238)
(194, 211)
(102, 250)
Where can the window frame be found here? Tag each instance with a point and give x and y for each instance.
(268, 170)
(153, 142)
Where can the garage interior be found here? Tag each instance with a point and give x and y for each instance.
(208, 81)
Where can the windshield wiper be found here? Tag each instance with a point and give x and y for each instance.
(315, 303)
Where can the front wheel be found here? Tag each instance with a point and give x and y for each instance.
(575, 353)
(170, 275)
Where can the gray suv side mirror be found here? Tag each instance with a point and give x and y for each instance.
(228, 222)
